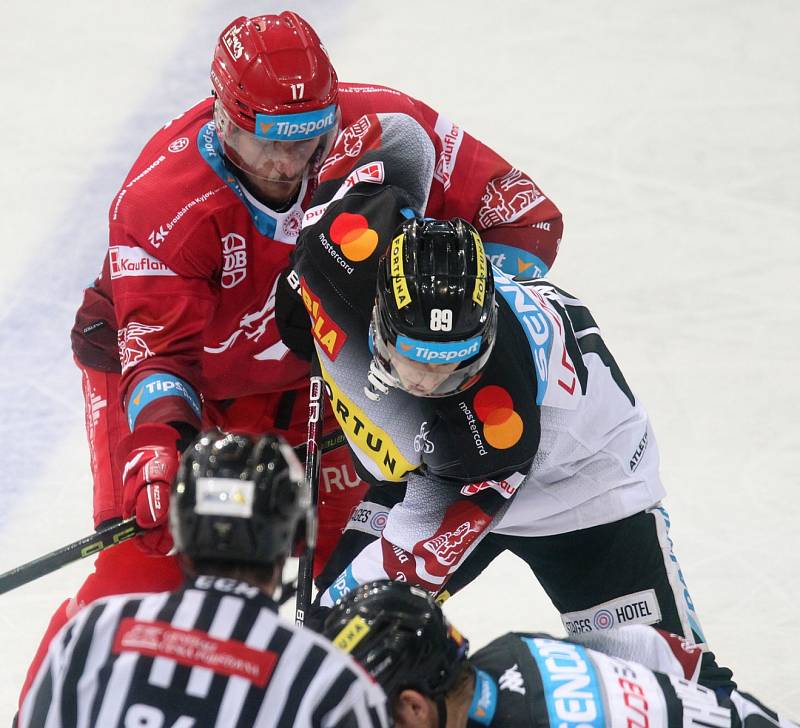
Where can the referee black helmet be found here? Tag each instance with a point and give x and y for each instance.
(240, 499)
(400, 636)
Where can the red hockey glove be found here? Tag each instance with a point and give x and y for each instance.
(150, 467)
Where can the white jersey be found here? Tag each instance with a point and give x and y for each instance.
(597, 459)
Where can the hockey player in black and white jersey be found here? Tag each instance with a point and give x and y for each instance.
(634, 676)
(215, 652)
(487, 411)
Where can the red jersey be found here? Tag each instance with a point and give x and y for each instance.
(520, 226)
(185, 303)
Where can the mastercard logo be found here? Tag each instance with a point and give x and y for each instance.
(502, 426)
(354, 236)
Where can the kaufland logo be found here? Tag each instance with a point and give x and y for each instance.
(125, 261)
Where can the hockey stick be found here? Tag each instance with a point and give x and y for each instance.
(108, 536)
(305, 569)
(288, 590)
(81, 549)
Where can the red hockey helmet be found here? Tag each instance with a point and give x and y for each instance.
(271, 65)
(274, 85)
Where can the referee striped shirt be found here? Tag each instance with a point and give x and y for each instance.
(214, 653)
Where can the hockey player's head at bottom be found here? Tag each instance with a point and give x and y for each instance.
(239, 507)
(401, 637)
(276, 112)
(434, 321)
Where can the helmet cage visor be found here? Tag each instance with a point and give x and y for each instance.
(283, 148)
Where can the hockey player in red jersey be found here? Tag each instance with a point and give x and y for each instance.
(179, 331)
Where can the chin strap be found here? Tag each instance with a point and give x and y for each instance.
(441, 708)
(377, 383)
(484, 698)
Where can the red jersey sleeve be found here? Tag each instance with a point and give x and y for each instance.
(161, 310)
(521, 227)
(163, 260)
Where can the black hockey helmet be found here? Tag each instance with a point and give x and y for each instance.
(400, 636)
(435, 303)
(239, 499)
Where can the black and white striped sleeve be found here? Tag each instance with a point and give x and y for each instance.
(43, 703)
(66, 690)
(36, 706)
(364, 704)
(314, 684)
(346, 696)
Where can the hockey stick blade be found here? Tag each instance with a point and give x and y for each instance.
(109, 536)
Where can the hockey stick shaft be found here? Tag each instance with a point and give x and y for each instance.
(108, 536)
(81, 549)
(305, 570)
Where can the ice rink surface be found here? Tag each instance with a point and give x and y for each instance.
(667, 133)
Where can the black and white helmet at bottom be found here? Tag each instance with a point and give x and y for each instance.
(401, 637)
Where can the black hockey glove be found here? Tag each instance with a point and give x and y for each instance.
(291, 316)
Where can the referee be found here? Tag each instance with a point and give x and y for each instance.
(215, 652)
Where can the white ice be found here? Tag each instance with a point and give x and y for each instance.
(667, 133)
